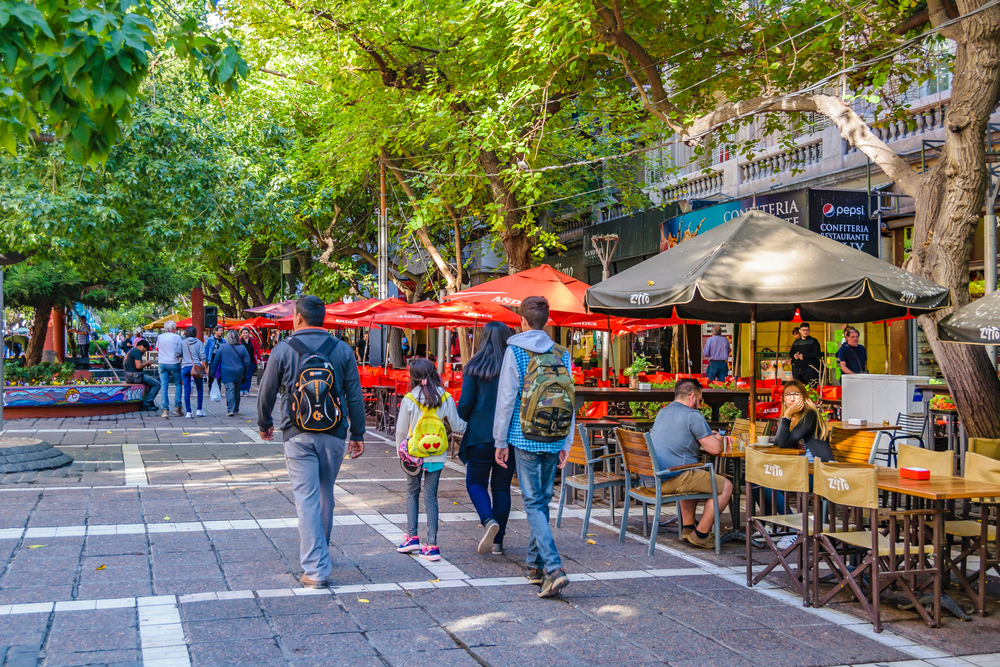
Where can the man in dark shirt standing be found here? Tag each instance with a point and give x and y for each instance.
(806, 355)
(852, 356)
(134, 375)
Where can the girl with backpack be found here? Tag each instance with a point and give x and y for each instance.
(480, 379)
(421, 443)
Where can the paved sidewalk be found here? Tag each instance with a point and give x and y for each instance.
(173, 542)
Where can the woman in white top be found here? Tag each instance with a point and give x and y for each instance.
(425, 386)
(193, 366)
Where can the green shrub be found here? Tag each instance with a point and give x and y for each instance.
(41, 374)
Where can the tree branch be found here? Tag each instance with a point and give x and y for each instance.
(11, 258)
(937, 13)
(851, 127)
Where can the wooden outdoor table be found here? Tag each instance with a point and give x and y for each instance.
(867, 427)
(715, 398)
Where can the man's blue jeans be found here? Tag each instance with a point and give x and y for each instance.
(170, 372)
(717, 371)
(536, 473)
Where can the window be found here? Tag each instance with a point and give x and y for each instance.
(659, 162)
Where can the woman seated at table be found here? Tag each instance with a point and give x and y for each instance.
(801, 425)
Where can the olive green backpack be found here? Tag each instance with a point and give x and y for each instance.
(547, 397)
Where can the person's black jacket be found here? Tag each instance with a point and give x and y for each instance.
(803, 436)
(811, 354)
(477, 406)
(280, 374)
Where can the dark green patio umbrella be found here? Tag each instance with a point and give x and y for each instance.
(977, 323)
(759, 268)
(760, 260)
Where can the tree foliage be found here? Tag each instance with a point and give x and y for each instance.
(72, 69)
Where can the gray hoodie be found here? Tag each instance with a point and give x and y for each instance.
(536, 341)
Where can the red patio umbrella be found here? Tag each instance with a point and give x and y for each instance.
(364, 308)
(564, 293)
(477, 313)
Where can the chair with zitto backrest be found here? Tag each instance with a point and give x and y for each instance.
(975, 533)
(639, 459)
(848, 446)
(988, 447)
(854, 487)
(912, 429)
(940, 464)
(582, 454)
(770, 473)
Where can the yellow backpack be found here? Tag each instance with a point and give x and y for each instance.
(428, 437)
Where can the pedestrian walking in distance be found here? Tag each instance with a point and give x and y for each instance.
(231, 366)
(168, 358)
(321, 401)
(477, 406)
(535, 417)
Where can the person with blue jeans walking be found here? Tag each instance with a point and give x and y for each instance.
(716, 350)
(168, 358)
(313, 458)
(477, 406)
(536, 461)
(232, 364)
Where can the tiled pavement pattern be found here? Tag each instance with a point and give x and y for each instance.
(195, 562)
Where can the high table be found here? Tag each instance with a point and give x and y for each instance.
(938, 489)
(715, 398)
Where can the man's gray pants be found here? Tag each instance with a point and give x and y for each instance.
(313, 461)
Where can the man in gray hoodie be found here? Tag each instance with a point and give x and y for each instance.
(536, 461)
(313, 458)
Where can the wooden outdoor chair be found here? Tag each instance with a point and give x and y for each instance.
(639, 459)
(785, 471)
(976, 534)
(742, 427)
(940, 464)
(884, 560)
(581, 453)
(853, 446)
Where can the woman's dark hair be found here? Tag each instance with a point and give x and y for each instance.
(485, 364)
(424, 377)
(190, 332)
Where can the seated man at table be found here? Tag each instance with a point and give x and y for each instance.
(678, 434)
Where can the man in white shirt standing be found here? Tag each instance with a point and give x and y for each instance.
(168, 357)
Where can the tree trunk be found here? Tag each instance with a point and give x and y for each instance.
(949, 208)
(464, 344)
(39, 329)
(513, 236)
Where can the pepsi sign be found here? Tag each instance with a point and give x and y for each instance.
(842, 215)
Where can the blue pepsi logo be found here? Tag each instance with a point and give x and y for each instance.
(828, 210)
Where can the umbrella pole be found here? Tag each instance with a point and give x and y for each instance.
(752, 403)
(885, 339)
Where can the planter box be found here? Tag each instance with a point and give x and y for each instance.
(83, 400)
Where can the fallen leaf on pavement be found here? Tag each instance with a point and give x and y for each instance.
(434, 581)
(102, 567)
(590, 534)
(166, 518)
(362, 600)
(591, 542)
(37, 546)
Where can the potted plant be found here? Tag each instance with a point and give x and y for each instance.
(639, 365)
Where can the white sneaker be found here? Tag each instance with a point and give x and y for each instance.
(187, 415)
(785, 542)
(200, 413)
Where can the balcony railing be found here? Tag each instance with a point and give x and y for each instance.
(797, 158)
(695, 188)
(925, 120)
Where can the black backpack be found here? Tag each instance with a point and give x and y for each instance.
(314, 404)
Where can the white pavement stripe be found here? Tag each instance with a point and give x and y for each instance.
(203, 485)
(253, 434)
(99, 429)
(135, 469)
(161, 632)
(154, 610)
(441, 569)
